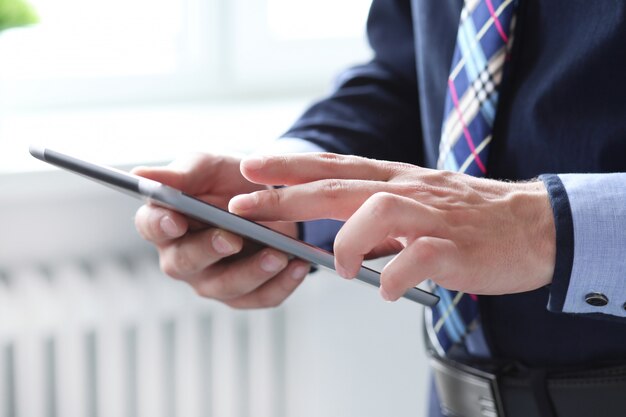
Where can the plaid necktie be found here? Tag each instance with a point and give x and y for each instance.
(483, 43)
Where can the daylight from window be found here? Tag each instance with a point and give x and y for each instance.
(125, 73)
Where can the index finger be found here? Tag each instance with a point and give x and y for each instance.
(293, 169)
(382, 216)
(324, 199)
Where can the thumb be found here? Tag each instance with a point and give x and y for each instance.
(187, 173)
(163, 175)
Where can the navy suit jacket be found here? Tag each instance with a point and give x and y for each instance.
(562, 109)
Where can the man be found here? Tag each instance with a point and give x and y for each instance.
(547, 256)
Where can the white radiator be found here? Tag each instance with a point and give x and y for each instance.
(110, 336)
(113, 337)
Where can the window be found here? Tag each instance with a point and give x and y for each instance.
(119, 51)
(284, 44)
(304, 19)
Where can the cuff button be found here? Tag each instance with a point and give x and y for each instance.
(597, 299)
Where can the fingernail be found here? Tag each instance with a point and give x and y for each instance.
(345, 273)
(254, 162)
(272, 263)
(299, 272)
(384, 294)
(342, 271)
(221, 245)
(169, 226)
(244, 201)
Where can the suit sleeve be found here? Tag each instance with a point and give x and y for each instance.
(373, 110)
(590, 217)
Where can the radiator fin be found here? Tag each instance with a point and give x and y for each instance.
(113, 337)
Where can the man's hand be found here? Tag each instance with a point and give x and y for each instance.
(216, 263)
(469, 234)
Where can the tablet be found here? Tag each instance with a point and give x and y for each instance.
(163, 195)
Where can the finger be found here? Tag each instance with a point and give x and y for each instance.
(382, 215)
(307, 167)
(227, 281)
(158, 224)
(195, 173)
(164, 175)
(276, 290)
(389, 246)
(324, 199)
(187, 256)
(426, 257)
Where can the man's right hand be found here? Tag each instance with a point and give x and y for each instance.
(216, 263)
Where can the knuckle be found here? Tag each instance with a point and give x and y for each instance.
(444, 178)
(403, 167)
(268, 299)
(218, 289)
(168, 269)
(417, 188)
(176, 263)
(353, 160)
(383, 204)
(260, 299)
(333, 188)
(334, 160)
(394, 169)
(425, 251)
(189, 161)
(331, 157)
(182, 262)
(273, 197)
(205, 290)
(206, 158)
(281, 161)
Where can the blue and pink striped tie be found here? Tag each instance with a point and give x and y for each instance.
(483, 44)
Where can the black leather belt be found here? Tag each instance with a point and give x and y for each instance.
(497, 390)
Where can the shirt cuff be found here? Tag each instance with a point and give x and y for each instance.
(564, 241)
(590, 218)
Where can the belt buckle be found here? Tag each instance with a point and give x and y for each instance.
(465, 391)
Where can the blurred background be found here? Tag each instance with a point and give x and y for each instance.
(88, 324)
